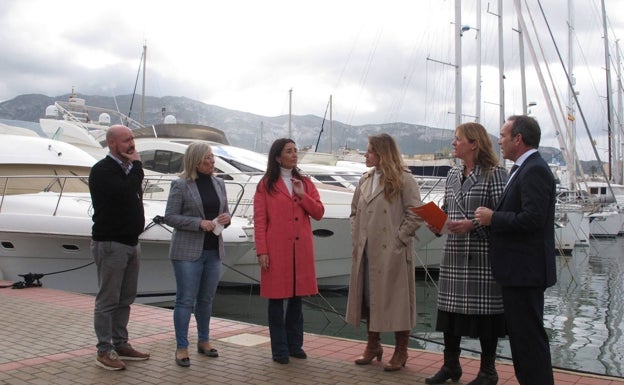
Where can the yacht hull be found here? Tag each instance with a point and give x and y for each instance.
(57, 246)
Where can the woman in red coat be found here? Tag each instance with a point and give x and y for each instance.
(283, 204)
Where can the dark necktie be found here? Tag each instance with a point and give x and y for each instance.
(513, 169)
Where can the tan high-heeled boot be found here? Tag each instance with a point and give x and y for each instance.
(373, 349)
(399, 358)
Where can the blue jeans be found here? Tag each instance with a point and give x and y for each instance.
(286, 332)
(196, 285)
(118, 274)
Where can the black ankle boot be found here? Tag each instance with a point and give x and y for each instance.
(450, 370)
(487, 372)
(485, 379)
(444, 374)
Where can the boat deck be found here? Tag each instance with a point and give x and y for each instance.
(47, 337)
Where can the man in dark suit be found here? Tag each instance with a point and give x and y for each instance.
(522, 248)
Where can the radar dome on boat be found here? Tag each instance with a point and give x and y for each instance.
(104, 118)
(170, 119)
(51, 111)
(77, 101)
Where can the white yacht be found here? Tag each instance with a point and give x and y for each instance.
(45, 224)
(162, 147)
(71, 122)
(33, 155)
(611, 196)
(242, 169)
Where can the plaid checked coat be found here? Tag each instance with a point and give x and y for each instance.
(466, 284)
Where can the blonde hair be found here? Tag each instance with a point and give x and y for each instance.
(193, 157)
(476, 134)
(390, 164)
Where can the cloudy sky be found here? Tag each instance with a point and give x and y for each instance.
(381, 61)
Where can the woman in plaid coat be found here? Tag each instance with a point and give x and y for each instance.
(469, 300)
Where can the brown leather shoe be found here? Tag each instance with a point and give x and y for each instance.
(130, 354)
(109, 361)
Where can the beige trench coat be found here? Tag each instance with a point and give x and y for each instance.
(387, 230)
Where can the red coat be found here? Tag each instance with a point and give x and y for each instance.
(283, 231)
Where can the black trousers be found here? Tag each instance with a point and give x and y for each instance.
(530, 349)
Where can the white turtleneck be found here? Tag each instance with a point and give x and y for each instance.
(286, 174)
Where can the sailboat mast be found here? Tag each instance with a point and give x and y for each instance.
(501, 71)
(525, 103)
(331, 126)
(478, 85)
(618, 164)
(571, 110)
(290, 113)
(458, 64)
(609, 89)
(143, 92)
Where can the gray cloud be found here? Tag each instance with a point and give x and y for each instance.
(243, 55)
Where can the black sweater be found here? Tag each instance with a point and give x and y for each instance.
(117, 202)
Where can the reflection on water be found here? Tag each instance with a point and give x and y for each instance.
(583, 311)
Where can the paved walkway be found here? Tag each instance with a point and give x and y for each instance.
(47, 338)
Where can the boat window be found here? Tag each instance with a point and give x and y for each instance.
(241, 166)
(327, 179)
(219, 173)
(166, 162)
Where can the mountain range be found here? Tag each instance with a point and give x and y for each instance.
(256, 132)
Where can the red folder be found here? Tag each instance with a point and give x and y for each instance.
(433, 215)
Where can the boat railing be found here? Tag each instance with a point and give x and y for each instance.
(240, 190)
(80, 114)
(580, 198)
(155, 188)
(431, 188)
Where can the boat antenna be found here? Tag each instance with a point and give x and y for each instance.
(321, 132)
(136, 82)
(117, 108)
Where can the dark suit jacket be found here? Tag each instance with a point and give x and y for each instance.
(522, 240)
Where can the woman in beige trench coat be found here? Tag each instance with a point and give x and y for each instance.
(382, 283)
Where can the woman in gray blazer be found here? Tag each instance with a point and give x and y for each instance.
(197, 210)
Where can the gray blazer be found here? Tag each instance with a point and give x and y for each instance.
(184, 213)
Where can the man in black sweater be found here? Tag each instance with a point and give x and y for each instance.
(118, 220)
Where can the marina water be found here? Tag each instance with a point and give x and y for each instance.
(584, 311)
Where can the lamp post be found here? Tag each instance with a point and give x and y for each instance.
(466, 28)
